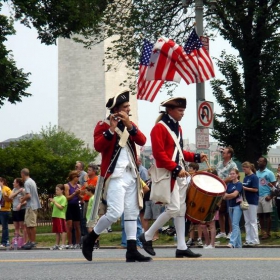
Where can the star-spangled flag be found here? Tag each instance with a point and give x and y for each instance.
(162, 63)
(146, 90)
(196, 65)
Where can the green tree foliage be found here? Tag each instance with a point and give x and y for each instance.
(13, 81)
(249, 94)
(49, 156)
(52, 19)
(250, 119)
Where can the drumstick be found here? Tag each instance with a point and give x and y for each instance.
(208, 165)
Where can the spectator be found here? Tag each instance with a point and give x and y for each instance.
(277, 194)
(92, 172)
(223, 168)
(59, 204)
(32, 205)
(73, 217)
(83, 181)
(267, 181)
(5, 210)
(193, 167)
(210, 243)
(90, 190)
(83, 176)
(251, 188)
(18, 208)
(145, 177)
(233, 195)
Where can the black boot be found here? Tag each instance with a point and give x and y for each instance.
(88, 243)
(132, 255)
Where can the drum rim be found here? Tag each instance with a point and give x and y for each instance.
(211, 175)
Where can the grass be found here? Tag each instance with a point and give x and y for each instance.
(45, 237)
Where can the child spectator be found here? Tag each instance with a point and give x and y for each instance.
(59, 203)
(210, 243)
(90, 190)
(18, 208)
(193, 167)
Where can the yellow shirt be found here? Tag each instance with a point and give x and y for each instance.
(6, 191)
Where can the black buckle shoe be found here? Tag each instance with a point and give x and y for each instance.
(186, 253)
(147, 245)
(136, 257)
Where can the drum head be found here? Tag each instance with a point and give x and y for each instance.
(208, 183)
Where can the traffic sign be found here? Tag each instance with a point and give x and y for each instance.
(205, 114)
(202, 138)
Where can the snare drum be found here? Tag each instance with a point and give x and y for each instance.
(204, 194)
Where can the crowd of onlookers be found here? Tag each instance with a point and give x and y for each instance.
(73, 201)
(260, 188)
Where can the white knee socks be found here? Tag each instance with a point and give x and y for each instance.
(180, 231)
(159, 222)
(102, 224)
(130, 228)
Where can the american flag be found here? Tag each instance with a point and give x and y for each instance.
(162, 63)
(146, 90)
(195, 65)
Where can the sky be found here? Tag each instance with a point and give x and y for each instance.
(41, 109)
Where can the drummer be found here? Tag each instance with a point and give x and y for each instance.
(163, 147)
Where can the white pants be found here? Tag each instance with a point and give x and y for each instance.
(177, 205)
(251, 224)
(122, 197)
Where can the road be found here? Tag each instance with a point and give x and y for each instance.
(222, 263)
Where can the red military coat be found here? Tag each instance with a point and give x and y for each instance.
(107, 144)
(163, 147)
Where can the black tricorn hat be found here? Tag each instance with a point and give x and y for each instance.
(175, 102)
(118, 99)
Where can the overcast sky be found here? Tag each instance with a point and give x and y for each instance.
(42, 107)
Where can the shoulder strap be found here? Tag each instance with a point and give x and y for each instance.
(122, 134)
(173, 135)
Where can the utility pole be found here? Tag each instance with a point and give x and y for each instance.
(200, 88)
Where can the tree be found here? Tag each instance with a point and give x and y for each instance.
(250, 119)
(249, 95)
(13, 81)
(52, 19)
(49, 156)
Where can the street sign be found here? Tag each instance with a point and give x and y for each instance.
(203, 165)
(205, 114)
(202, 138)
(205, 42)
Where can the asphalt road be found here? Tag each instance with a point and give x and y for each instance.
(222, 263)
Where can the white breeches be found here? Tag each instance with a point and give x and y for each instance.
(177, 205)
(122, 197)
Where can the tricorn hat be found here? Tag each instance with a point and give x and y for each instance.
(118, 99)
(175, 102)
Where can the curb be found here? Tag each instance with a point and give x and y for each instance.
(156, 247)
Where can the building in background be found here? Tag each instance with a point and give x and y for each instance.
(84, 88)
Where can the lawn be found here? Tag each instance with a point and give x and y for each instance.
(45, 238)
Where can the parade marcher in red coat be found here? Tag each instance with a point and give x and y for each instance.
(163, 146)
(119, 168)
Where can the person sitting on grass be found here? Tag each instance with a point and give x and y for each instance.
(59, 204)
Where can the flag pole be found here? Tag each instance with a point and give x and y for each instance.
(200, 88)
